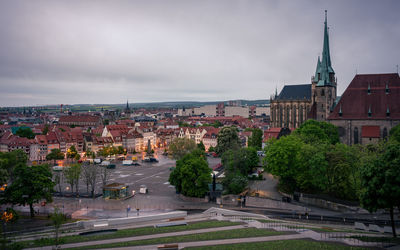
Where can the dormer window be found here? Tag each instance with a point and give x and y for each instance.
(369, 89)
(387, 112)
(340, 111)
(369, 111)
(387, 88)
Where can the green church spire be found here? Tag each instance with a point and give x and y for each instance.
(324, 68)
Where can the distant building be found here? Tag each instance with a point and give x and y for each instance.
(80, 120)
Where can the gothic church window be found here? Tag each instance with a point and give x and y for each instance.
(355, 135)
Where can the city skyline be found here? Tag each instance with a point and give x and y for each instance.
(103, 52)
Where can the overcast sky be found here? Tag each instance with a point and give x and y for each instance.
(54, 52)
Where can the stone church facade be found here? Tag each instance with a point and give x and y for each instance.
(297, 103)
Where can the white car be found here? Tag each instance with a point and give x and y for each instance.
(143, 189)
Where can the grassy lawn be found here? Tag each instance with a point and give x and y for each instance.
(280, 244)
(129, 233)
(228, 234)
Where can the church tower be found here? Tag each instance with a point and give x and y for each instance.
(323, 83)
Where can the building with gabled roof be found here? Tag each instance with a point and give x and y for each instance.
(368, 108)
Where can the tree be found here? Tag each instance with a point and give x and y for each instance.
(71, 152)
(227, 139)
(57, 180)
(240, 160)
(9, 161)
(191, 175)
(104, 174)
(211, 149)
(58, 218)
(89, 175)
(25, 132)
(395, 133)
(201, 146)
(180, 147)
(313, 131)
(234, 183)
(54, 155)
(256, 139)
(90, 154)
(283, 159)
(380, 182)
(72, 174)
(31, 185)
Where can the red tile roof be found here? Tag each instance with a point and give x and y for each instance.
(79, 118)
(356, 102)
(370, 132)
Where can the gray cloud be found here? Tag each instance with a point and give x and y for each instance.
(108, 51)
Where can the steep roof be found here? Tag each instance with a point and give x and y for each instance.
(377, 93)
(295, 92)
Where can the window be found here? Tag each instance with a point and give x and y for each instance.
(384, 133)
(355, 135)
(322, 92)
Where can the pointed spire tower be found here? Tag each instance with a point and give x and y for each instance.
(324, 81)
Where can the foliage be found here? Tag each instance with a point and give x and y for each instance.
(71, 152)
(9, 161)
(90, 174)
(106, 122)
(201, 146)
(184, 124)
(180, 147)
(283, 159)
(25, 132)
(90, 154)
(191, 175)
(58, 218)
(380, 181)
(256, 138)
(240, 160)
(234, 183)
(54, 155)
(313, 131)
(31, 185)
(395, 133)
(227, 139)
(72, 174)
(108, 151)
(211, 149)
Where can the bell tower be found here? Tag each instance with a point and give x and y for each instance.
(323, 83)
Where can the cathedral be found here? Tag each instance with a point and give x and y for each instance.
(297, 103)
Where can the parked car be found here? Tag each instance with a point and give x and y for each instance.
(150, 159)
(97, 161)
(111, 166)
(135, 164)
(127, 163)
(105, 163)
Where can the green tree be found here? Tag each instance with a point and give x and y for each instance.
(25, 132)
(227, 139)
(71, 152)
(54, 155)
(201, 146)
(9, 161)
(90, 174)
(395, 133)
(211, 149)
(240, 160)
(180, 147)
(120, 150)
(90, 154)
(191, 175)
(58, 218)
(256, 138)
(234, 183)
(313, 131)
(31, 185)
(380, 182)
(72, 174)
(283, 159)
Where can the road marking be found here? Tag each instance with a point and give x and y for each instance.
(166, 183)
(124, 175)
(150, 176)
(138, 174)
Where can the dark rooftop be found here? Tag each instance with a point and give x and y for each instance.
(295, 92)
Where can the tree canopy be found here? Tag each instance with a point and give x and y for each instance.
(55, 154)
(25, 132)
(72, 152)
(180, 147)
(314, 131)
(256, 138)
(227, 139)
(191, 175)
(31, 185)
(380, 181)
